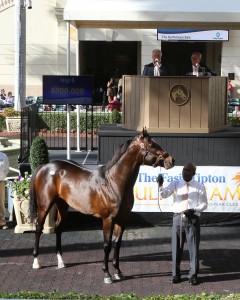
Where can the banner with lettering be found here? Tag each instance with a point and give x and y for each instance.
(222, 185)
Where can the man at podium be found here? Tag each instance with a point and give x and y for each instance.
(196, 68)
(156, 67)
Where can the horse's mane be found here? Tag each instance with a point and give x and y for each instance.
(117, 155)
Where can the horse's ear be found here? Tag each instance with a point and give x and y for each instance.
(144, 132)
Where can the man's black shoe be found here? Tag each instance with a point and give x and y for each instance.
(193, 280)
(176, 279)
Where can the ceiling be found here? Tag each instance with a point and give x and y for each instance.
(143, 14)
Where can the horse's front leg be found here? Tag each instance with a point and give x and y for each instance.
(118, 232)
(107, 233)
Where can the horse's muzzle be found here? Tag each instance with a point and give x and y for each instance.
(169, 163)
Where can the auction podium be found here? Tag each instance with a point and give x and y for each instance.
(176, 104)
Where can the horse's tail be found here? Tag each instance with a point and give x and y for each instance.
(33, 200)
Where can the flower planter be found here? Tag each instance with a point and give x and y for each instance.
(22, 213)
(13, 124)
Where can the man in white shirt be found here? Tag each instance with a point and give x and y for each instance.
(4, 169)
(189, 200)
(236, 111)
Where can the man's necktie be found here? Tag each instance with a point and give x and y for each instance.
(156, 70)
(184, 202)
(184, 205)
(195, 70)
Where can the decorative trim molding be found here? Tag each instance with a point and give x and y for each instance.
(59, 14)
(5, 4)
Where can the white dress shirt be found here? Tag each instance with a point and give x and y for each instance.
(195, 70)
(4, 166)
(156, 70)
(197, 195)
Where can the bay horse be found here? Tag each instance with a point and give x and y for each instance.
(106, 193)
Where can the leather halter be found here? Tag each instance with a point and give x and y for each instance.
(147, 150)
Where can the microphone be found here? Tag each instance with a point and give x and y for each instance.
(203, 70)
(160, 180)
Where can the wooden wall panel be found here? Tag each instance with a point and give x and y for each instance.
(164, 112)
(141, 108)
(153, 101)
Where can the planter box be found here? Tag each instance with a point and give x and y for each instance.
(13, 124)
(22, 213)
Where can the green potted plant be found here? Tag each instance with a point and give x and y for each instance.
(11, 112)
(13, 119)
(20, 194)
(38, 153)
(20, 191)
(116, 117)
(39, 156)
(20, 186)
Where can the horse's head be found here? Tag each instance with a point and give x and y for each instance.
(153, 154)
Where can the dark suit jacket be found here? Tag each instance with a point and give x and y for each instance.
(202, 68)
(149, 70)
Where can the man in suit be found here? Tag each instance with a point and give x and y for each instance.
(156, 68)
(196, 68)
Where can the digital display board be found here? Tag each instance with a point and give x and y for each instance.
(67, 89)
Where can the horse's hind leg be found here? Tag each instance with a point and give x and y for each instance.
(118, 233)
(107, 233)
(39, 227)
(61, 219)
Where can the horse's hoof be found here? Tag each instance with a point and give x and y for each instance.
(61, 266)
(36, 264)
(118, 276)
(108, 280)
(60, 261)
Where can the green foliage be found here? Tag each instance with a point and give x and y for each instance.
(80, 296)
(116, 117)
(51, 121)
(233, 121)
(38, 153)
(21, 185)
(10, 112)
(2, 123)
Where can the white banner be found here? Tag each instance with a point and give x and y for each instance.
(192, 35)
(222, 185)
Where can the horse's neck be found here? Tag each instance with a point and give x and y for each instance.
(126, 169)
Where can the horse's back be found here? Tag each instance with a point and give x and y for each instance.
(69, 181)
(65, 165)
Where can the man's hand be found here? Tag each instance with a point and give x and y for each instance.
(189, 212)
(160, 180)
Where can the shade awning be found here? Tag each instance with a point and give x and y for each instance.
(215, 14)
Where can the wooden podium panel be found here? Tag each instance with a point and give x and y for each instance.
(175, 104)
